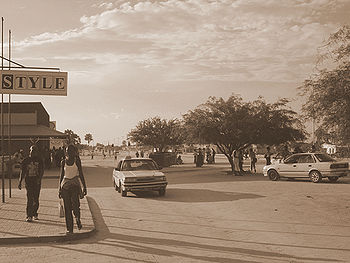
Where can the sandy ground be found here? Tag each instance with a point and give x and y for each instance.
(207, 216)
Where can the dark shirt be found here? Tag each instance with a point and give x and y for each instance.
(32, 170)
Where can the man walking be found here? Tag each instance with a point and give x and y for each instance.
(32, 172)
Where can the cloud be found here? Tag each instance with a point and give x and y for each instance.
(197, 34)
(136, 54)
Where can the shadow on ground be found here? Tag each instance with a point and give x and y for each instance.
(158, 246)
(196, 195)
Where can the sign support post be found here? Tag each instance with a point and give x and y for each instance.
(2, 115)
(9, 127)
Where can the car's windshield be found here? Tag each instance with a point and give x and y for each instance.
(135, 165)
(324, 157)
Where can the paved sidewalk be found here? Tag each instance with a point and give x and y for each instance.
(49, 228)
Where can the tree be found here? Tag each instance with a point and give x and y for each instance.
(158, 133)
(72, 137)
(88, 138)
(233, 124)
(328, 91)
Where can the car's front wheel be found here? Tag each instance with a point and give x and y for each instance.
(162, 192)
(115, 186)
(119, 186)
(315, 176)
(273, 175)
(123, 191)
(333, 179)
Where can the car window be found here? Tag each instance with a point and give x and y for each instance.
(292, 159)
(136, 165)
(119, 165)
(307, 158)
(324, 157)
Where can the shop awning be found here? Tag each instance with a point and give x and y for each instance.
(33, 131)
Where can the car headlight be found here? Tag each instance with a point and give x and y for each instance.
(130, 180)
(162, 178)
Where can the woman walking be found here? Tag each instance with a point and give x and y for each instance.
(70, 188)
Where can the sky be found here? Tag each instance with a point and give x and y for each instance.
(132, 60)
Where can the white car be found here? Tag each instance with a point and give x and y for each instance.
(138, 174)
(307, 165)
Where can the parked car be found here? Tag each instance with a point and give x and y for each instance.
(307, 165)
(138, 174)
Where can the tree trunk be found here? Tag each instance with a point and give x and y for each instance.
(230, 159)
(228, 155)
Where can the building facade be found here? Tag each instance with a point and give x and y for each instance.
(30, 122)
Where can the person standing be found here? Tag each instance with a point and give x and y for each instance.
(237, 171)
(285, 152)
(268, 155)
(70, 187)
(253, 160)
(32, 171)
(240, 160)
(213, 152)
(200, 158)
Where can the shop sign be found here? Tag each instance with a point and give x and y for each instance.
(33, 82)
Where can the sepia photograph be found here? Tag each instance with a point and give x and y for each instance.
(175, 131)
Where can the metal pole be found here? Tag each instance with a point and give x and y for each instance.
(9, 125)
(2, 114)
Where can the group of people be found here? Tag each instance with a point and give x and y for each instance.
(238, 157)
(140, 154)
(207, 154)
(70, 182)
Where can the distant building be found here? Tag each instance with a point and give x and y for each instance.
(330, 148)
(30, 122)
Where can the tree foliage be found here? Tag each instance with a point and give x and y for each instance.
(234, 124)
(88, 138)
(72, 137)
(328, 92)
(157, 132)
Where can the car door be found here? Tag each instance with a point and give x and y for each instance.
(305, 163)
(288, 168)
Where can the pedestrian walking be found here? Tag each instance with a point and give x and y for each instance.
(268, 155)
(137, 154)
(70, 187)
(32, 171)
(142, 154)
(253, 160)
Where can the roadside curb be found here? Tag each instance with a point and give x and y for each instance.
(46, 239)
(59, 238)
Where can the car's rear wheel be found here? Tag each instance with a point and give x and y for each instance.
(273, 175)
(333, 179)
(162, 192)
(315, 176)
